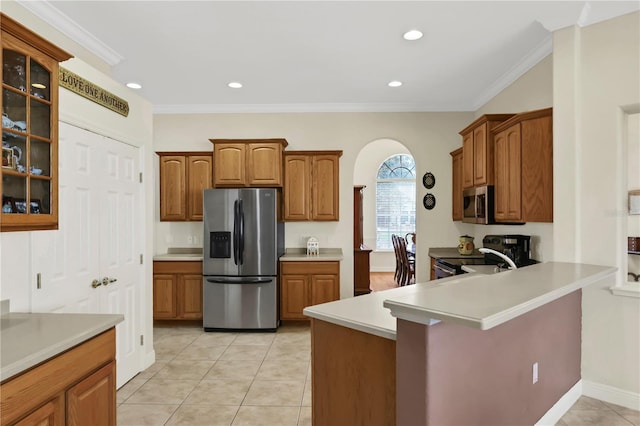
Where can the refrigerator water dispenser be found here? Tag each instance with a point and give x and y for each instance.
(220, 245)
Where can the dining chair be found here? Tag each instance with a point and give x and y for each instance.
(407, 265)
(396, 250)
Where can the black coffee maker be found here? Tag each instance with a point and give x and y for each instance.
(516, 247)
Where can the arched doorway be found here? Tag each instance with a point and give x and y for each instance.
(365, 173)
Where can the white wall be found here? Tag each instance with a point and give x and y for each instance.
(596, 83)
(429, 137)
(16, 265)
(633, 182)
(533, 90)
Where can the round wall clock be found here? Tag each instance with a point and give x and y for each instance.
(429, 180)
(429, 201)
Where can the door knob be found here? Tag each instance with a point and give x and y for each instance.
(95, 283)
(107, 280)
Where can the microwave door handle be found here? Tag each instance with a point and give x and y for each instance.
(475, 207)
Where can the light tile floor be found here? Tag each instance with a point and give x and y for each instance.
(256, 379)
(222, 379)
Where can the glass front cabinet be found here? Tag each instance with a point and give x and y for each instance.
(29, 129)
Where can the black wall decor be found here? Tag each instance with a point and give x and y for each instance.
(429, 180)
(429, 201)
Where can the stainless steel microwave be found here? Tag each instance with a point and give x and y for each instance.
(477, 205)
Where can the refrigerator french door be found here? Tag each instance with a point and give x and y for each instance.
(242, 243)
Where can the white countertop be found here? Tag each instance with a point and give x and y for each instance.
(453, 253)
(29, 339)
(476, 300)
(363, 313)
(296, 254)
(486, 301)
(180, 254)
(178, 257)
(300, 255)
(481, 269)
(366, 312)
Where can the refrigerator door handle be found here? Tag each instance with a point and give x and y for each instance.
(241, 233)
(239, 280)
(235, 232)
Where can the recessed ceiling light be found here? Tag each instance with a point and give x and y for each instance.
(134, 85)
(412, 35)
(395, 83)
(235, 85)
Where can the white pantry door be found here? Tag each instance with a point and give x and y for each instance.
(99, 236)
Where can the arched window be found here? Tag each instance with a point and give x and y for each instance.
(395, 199)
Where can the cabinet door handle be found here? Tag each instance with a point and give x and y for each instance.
(95, 283)
(107, 280)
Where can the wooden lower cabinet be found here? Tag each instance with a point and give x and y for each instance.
(90, 402)
(49, 414)
(353, 376)
(305, 284)
(177, 290)
(77, 387)
(432, 275)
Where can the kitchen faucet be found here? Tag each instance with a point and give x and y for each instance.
(501, 255)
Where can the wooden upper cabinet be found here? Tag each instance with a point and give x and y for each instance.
(325, 187)
(467, 160)
(230, 164)
(312, 185)
(297, 187)
(508, 165)
(199, 178)
(183, 177)
(264, 164)
(456, 196)
(173, 187)
(482, 152)
(524, 168)
(29, 104)
(477, 150)
(248, 162)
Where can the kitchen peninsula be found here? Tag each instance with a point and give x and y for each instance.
(58, 368)
(460, 350)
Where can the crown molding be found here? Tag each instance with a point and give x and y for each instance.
(61, 22)
(306, 108)
(541, 51)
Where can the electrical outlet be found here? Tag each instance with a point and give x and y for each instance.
(535, 373)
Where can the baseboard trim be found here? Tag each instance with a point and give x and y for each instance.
(611, 394)
(563, 405)
(149, 359)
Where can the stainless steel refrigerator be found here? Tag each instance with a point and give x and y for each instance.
(242, 243)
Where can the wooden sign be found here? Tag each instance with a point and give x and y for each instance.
(94, 93)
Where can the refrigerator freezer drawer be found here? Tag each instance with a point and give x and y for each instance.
(240, 303)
